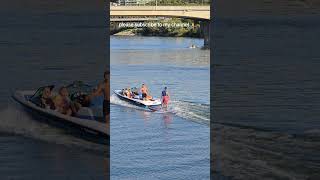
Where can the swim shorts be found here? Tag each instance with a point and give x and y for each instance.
(165, 100)
(106, 108)
(144, 95)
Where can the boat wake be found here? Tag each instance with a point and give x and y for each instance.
(188, 110)
(14, 120)
(191, 111)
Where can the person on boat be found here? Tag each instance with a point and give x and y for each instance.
(135, 93)
(96, 100)
(62, 102)
(145, 93)
(126, 92)
(104, 90)
(129, 93)
(106, 102)
(165, 97)
(46, 99)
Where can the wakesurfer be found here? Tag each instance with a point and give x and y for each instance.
(165, 97)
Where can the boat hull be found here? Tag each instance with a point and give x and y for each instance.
(73, 126)
(150, 106)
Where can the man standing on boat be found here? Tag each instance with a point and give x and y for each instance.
(144, 91)
(103, 89)
(106, 101)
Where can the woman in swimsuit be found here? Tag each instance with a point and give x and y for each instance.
(129, 93)
(46, 100)
(62, 102)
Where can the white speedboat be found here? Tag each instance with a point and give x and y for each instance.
(151, 105)
(88, 123)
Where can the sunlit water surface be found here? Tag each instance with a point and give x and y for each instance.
(148, 145)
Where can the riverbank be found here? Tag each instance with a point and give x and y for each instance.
(164, 28)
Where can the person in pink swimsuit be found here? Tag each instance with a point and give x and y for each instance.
(165, 98)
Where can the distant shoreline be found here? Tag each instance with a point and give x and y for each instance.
(135, 32)
(193, 30)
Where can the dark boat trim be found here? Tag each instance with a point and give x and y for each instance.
(133, 102)
(75, 129)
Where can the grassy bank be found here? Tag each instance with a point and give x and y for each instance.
(169, 28)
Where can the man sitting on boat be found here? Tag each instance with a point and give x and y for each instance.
(130, 92)
(63, 103)
(135, 93)
(124, 92)
(46, 98)
(135, 90)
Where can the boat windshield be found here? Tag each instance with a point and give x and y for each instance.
(79, 87)
(36, 97)
(39, 91)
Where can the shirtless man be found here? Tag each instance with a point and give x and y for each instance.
(144, 92)
(103, 89)
(106, 101)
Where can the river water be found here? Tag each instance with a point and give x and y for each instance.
(267, 73)
(173, 145)
(266, 97)
(41, 46)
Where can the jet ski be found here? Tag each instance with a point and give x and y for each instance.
(150, 105)
(88, 123)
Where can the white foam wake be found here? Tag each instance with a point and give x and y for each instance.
(192, 111)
